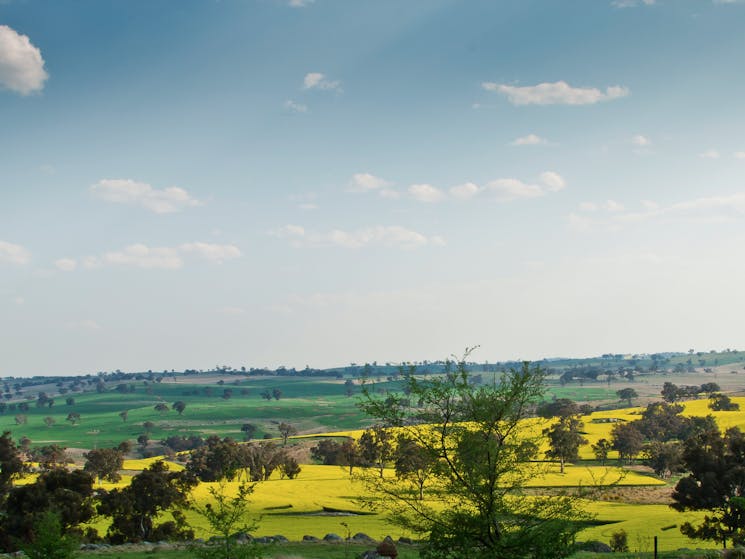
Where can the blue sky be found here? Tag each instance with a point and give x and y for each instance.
(292, 182)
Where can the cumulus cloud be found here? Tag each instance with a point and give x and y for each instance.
(21, 63)
(391, 236)
(66, 264)
(556, 93)
(709, 154)
(134, 193)
(300, 3)
(295, 107)
(317, 80)
(465, 191)
(553, 181)
(529, 140)
(739, 155)
(631, 3)
(163, 258)
(641, 141)
(365, 182)
(426, 193)
(14, 254)
(510, 188)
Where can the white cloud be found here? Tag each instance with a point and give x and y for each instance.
(556, 93)
(295, 107)
(14, 254)
(465, 191)
(588, 207)
(709, 154)
(529, 140)
(365, 182)
(317, 80)
(391, 235)
(163, 258)
(300, 3)
(553, 181)
(641, 141)
(66, 264)
(739, 155)
(613, 206)
(510, 189)
(21, 63)
(133, 193)
(631, 3)
(426, 193)
(212, 252)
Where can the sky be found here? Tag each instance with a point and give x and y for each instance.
(199, 183)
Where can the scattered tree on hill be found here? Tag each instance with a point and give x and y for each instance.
(49, 421)
(21, 419)
(722, 402)
(326, 452)
(716, 483)
(179, 406)
(627, 394)
(148, 426)
(142, 440)
(104, 463)
(484, 458)
(50, 457)
(349, 387)
(266, 394)
(670, 392)
(70, 401)
(276, 393)
(561, 407)
(601, 450)
(249, 430)
(73, 417)
(289, 467)
(564, 440)
(218, 459)
(376, 447)
(135, 508)
(627, 440)
(665, 458)
(124, 415)
(259, 460)
(161, 407)
(286, 430)
(414, 463)
(709, 388)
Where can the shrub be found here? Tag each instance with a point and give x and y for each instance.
(619, 541)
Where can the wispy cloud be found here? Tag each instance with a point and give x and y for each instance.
(631, 3)
(317, 80)
(295, 107)
(134, 193)
(21, 64)
(426, 193)
(641, 141)
(711, 209)
(529, 140)
(556, 93)
(710, 154)
(300, 3)
(14, 254)
(163, 258)
(392, 236)
(66, 264)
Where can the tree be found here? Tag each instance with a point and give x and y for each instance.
(276, 393)
(665, 458)
(179, 406)
(124, 415)
(73, 417)
(376, 447)
(104, 463)
(722, 402)
(49, 421)
(289, 467)
(227, 517)
(561, 407)
(564, 440)
(135, 508)
(266, 394)
(601, 450)
(21, 419)
(627, 440)
(472, 507)
(670, 392)
(716, 483)
(249, 430)
(627, 394)
(414, 463)
(161, 408)
(218, 459)
(50, 457)
(286, 430)
(70, 401)
(49, 541)
(148, 426)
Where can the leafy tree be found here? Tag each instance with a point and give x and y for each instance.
(662, 422)
(716, 483)
(473, 506)
(11, 465)
(601, 450)
(627, 440)
(619, 541)
(349, 387)
(710, 388)
(227, 517)
(564, 440)
(414, 463)
(665, 458)
(161, 407)
(50, 457)
(70, 401)
(349, 455)
(49, 541)
(260, 460)
(276, 393)
(21, 419)
(218, 459)
(627, 394)
(326, 452)
(289, 467)
(49, 421)
(73, 417)
(286, 430)
(670, 392)
(722, 402)
(134, 509)
(143, 439)
(376, 447)
(179, 406)
(249, 430)
(266, 394)
(104, 463)
(561, 407)
(124, 414)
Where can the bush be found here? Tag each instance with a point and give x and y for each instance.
(619, 541)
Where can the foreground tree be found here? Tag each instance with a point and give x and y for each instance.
(716, 484)
(473, 505)
(104, 463)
